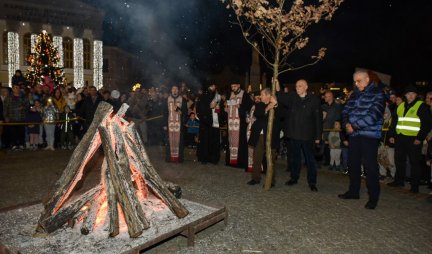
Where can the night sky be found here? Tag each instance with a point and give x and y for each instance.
(196, 37)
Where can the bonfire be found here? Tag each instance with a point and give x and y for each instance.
(128, 182)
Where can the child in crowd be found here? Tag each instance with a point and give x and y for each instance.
(33, 116)
(39, 108)
(49, 116)
(192, 126)
(67, 137)
(335, 146)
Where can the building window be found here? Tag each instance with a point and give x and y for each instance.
(86, 49)
(26, 47)
(68, 52)
(105, 65)
(5, 47)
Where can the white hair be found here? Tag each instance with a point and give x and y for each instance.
(361, 72)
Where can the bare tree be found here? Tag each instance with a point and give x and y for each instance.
(276, 29)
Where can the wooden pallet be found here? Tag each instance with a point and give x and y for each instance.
(188, 231)
(22, 231)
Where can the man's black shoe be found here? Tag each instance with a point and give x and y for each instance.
(253, 182)
(347, 195)
(414, 190)
(395, 184)
(370, 205)
(291, 182)
(313, 187)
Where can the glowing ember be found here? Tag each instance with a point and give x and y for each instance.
(123, 183)
(102, 214)
(95, 145)
(84, 208)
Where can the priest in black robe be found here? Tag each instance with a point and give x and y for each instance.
(208, 111)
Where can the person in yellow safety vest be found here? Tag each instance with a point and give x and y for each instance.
(412, 123)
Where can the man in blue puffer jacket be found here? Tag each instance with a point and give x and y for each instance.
(363, 117)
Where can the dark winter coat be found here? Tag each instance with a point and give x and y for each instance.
(334, 113)
(305, 116)
(1, 110)
(116, 103)
(18, 80)
(261, 124)
(365, 112)
(33, 117)
(88, 108)
(67, 127)
(15, 108)
(204, 112)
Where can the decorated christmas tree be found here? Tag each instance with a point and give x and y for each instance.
(44, 62)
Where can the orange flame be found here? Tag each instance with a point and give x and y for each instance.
(144, 196)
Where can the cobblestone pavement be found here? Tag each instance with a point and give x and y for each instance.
(282, 220)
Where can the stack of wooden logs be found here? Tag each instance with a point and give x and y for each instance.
(127, 174)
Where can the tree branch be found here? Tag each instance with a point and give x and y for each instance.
(300, 67)
(251, 43)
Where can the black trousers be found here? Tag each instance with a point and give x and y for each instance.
(297, 146)
(66, 138)
(364, 151)
(404, 147)
(17, 135)
(326, 155)
(190, 139)
(209, 144)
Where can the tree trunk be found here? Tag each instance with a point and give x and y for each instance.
(270, 166)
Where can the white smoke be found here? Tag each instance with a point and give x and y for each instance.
(154, 29)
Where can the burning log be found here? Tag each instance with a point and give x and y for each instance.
(73, 171)
(126, 178)
(114, 228)
(57, 220)
(143, 164)
(90, 218)
(118, 165)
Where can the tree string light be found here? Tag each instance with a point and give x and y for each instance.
(43, 62)
(33, 40)
(78, 63)
(58, 43)
(13, 54)
(98, 64)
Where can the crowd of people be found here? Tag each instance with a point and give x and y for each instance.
(49, 117)
(371, 131)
